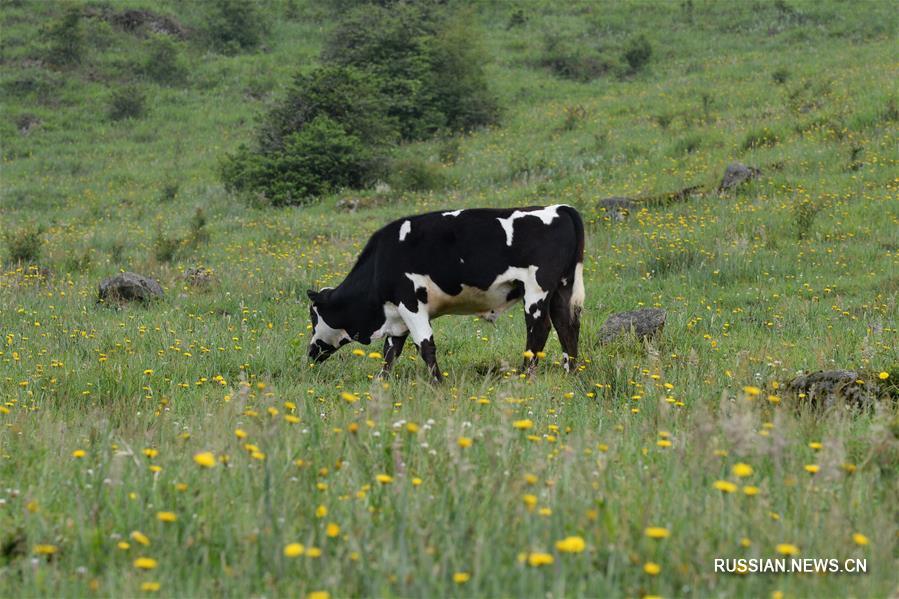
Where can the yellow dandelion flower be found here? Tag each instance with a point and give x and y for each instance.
(139, 537)
(332, 530)
(384, 479)
(145, 563)
(528, 355)
(537, 559)
(148, 371)
(523, 424)
(321, 511)
(750, 491)
(411, 427)
(742, 470)
(240, 433)
(652, 568)
(375, 355)
(657, 532)
(811, 468)
(313, 552)
(149, 586)
(529, 500)
(319, 595)
(349, 397)
(294, 550)
(725, 486)
(461, 577)
(166, 516)
(359, 352)
(787, 549)
(752, 391)
(663, 443)
(464, 442)
(883, 375)
(123, 545)
(151, 453)
(78, 454)
(572, 544)
(45, 549)
(531, 479)
(416, 481)
(205, 459)
(860, 539)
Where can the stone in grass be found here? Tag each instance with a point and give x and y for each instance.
(618, 208)
(736, 174)
(647, 323)
(129, 286)
(827, 388)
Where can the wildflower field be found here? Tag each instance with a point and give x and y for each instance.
(186, 448)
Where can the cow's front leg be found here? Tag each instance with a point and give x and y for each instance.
(393, 347)
(419, 325)
(537, 321)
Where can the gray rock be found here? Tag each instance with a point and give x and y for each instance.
(618, 208)
(129, 286)
(736, 174)
(827, 388)
(647, 323)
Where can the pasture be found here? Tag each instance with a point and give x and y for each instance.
(187, 448)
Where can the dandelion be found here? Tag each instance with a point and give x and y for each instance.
(883, 375)
(750, 491)
(523, 424)
(571, 544)
(149, 586)
(742, 470)
(151, 453)
(787, 549)
(537, 559)
(464, 442)
(461, 577)
(294, 550)
(166, 516)
(45, 549)
(148, 371)
(657, 532)
(332, 530)
(145, 563)
(652, 568)
(313, 552)
(139, 537)
(349, 397)
(751, 391)
(319, 595)
(530, 479)
(384, 479)
(811, 468)
(663, 443)
(359, 352)
(78, 454)
(860, 539)
(528, 355)
(725, 486)
(530, 501)
(321, 511)
(412, 427)
(375, 355)
(123, 545)
(205, 459)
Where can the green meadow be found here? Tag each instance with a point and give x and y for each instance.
(185, 447)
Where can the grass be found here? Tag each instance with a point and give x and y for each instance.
(795, 271)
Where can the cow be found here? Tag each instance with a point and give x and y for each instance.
(471, 261)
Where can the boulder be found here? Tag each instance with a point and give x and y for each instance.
(129, 286)
(736, 174)
(647, 323)
(618, 208)
(827, 388)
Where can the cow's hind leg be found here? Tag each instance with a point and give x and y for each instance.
(393, 347)
(567, 322)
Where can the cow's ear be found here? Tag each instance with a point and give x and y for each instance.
(314, 295)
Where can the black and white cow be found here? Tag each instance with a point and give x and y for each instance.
(475, 261)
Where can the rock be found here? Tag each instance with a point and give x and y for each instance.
(647, 323)
(827, 388)
(736, 174)
(618, 208)
(199, 276)
(129, 286)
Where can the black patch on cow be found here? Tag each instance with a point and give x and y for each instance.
(517, 291)
(421, 294)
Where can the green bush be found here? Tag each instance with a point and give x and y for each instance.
(24, 245)
(319, 158)
(127, 102)
(234, 25)
(414, 174)
(577, 63)
(163, 63)
(637, 53)
(66, 37)
(430, 65)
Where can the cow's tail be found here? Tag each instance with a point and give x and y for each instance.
(576, 272)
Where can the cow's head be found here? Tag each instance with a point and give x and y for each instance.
(327, 332)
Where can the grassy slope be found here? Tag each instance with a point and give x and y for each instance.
(749, 303)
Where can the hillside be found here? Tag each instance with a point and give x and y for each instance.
(111, 154)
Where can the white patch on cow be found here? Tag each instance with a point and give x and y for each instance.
(566, 362)
(393, 326)
(405, 228)
(547, 215)
(453, 213)
(577, 292)
(418, 322)
(326, 333)
(461, 261)
(488, 303)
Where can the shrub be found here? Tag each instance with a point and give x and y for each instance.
(169, 191)
(234, 25)
(578, 64)
(637, 53)
(415, 175)
(319, 158)
(67, 40)
(761, 138)
(575, 116)
(163, 63)
(24, 245)
(430, 66)
(127, 103)
(165, 247)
